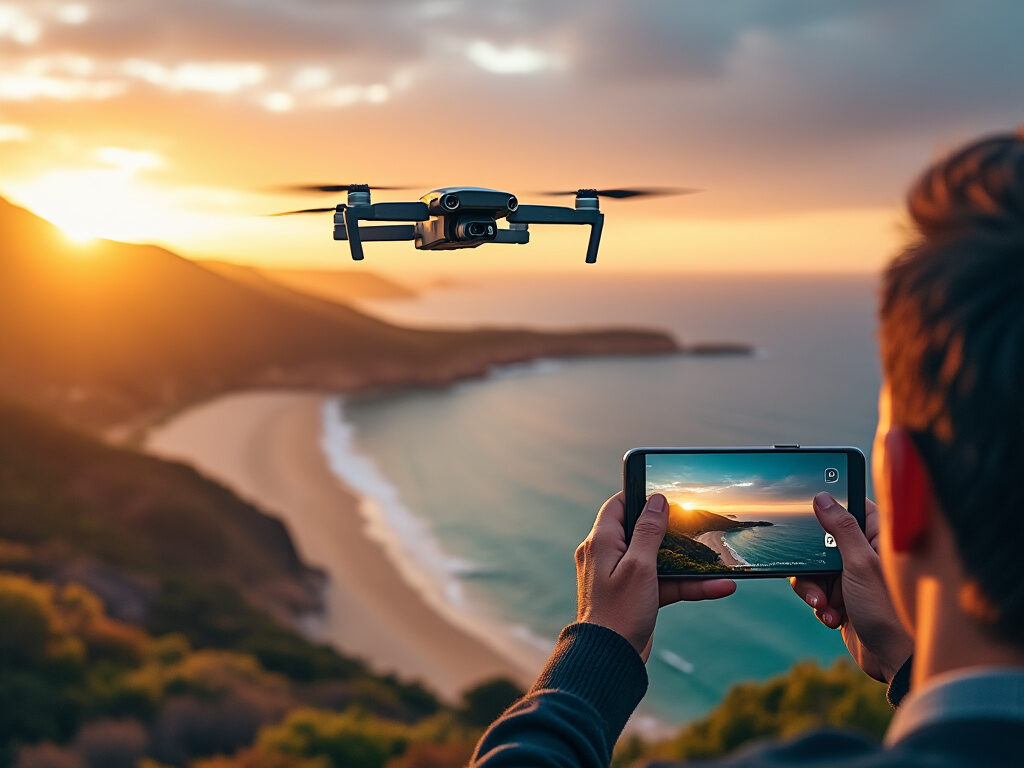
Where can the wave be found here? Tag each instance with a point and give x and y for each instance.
(676, 661)
(409, 541)
(739, 558)
(404, 535)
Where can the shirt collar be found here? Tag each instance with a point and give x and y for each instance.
(973, 694)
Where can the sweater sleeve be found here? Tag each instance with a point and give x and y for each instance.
(899, 686)
(574, 713)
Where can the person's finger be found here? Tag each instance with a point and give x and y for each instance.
(811, 591)
(871, 523)
(833, 613)
(676, 590)
(830, 617)
(853, 544)
(649, 530)
(612, 515)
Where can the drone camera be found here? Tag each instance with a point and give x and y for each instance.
(450, 201)
(476, 229)
(513, 202)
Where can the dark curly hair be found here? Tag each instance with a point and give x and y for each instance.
(952, 342)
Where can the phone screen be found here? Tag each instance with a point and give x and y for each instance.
(734, 512)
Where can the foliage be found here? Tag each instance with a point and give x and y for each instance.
(212, 615)
(482, 703)
(806, 697)
(351, 739)
(57, 648)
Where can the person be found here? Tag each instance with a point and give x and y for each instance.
(931, 598)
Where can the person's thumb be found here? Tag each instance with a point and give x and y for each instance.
(842, 526)
(650, 529)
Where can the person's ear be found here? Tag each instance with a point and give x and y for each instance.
(909, 490)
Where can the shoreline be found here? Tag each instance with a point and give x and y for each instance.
(713, 539)
(268, 448)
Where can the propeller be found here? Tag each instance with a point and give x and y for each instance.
(622, 194)
(303, 210)
(315, 188)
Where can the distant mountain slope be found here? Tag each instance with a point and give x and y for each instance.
(343, 285)
(693, 522)
(107, 331)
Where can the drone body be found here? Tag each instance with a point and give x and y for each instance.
(462, 217)
(458, 217)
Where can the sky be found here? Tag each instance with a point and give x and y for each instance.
(177, 121)
(750, 483)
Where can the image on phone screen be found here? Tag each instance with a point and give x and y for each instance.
(746, 512)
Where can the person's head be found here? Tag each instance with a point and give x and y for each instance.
(949, 453)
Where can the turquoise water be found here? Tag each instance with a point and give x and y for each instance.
(792, 539)
(507, 473)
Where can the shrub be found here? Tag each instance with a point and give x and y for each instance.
(111, 743)
(806, 697)
(482, 703)
(347, 740)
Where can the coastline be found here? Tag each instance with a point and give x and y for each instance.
(713, 539)
(267, 447)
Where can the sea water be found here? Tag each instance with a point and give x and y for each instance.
(503, 476)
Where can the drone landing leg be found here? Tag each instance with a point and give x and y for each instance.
(595, 238)
(355, 242)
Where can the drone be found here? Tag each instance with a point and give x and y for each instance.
(462, 217)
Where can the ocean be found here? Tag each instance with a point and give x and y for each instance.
(789, 540)
(485, 488)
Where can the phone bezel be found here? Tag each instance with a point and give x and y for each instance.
(634, 471)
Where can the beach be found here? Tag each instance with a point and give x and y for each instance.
(713, 539)
(267, 447)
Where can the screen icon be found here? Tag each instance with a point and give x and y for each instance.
(831, 475)
(829, 540)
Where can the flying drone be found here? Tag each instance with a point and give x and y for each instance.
(462, 217)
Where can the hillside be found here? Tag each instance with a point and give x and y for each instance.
(124, 524)
(679, 549)
(148, 611)
(693, 522)
(106, 332)
(681, 553)
(342, 285)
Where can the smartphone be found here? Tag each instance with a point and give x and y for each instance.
(744, 512)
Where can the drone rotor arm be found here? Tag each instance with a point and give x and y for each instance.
(559, 214)
(349, 216)
(379, 233)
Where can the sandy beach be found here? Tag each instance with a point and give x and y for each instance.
(713, 539)
(266, 446)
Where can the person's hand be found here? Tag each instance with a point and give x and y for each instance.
(858, 602)
(618, 586)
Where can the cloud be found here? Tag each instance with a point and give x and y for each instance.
(131, 160)
(12, 132)
(207, 77)
(513, 60)
(18, 25)
(789, 105)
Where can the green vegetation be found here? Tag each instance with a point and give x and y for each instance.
(804, 698)
(681, 553)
